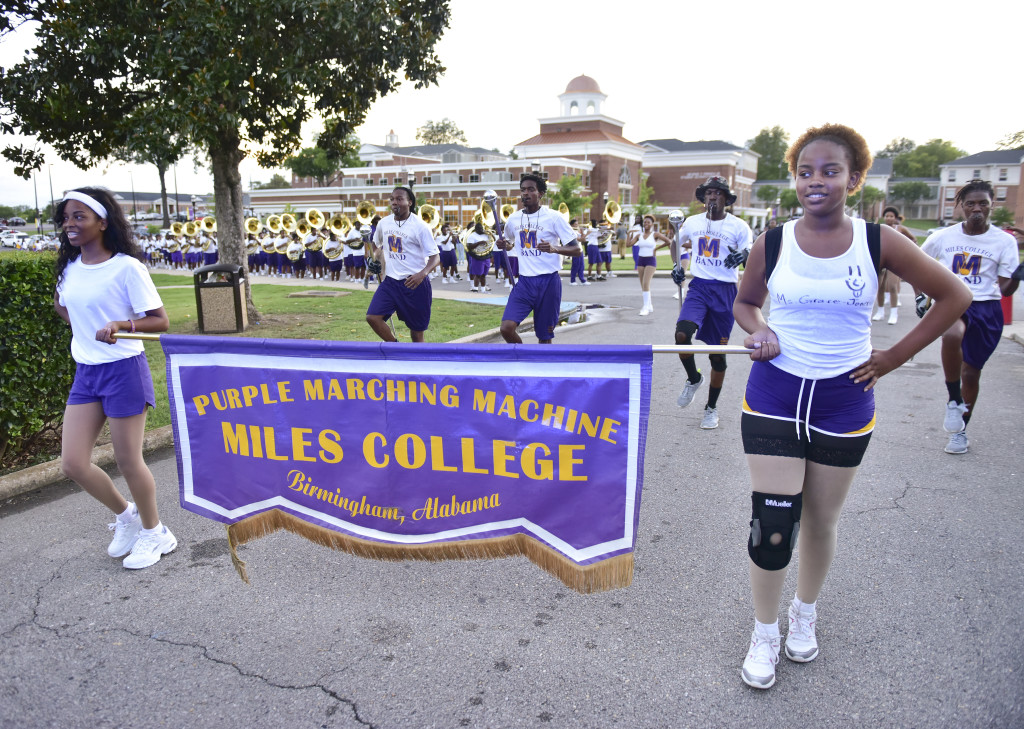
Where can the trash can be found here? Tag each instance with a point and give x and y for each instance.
(220, 298)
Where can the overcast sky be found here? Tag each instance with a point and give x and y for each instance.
(715, 71)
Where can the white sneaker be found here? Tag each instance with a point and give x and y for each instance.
(953, 422)
(612, 275)
(893, 313)
(586, 283)
(574, 283)
(644, 311)
(958, 443)
(486, 288)
(472, 288)
(759, 666)
(149, 548)
(508, 284)
(710, 421)
(125, 535)
(689, 390)
(878, 315)
(675, 295)
(801, 644)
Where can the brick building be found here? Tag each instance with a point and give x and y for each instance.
(1003, 168)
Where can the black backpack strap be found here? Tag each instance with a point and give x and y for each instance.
(772, 246)
(875, 244)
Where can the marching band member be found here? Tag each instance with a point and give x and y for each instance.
(722, 242)
(539, 237)
(210, 256)
(576, 264)
(809, 409)
(358, 258)
(478, 267)
(446, 246)
(408, 245)
(336, 266)
(102, 288)
(590, 236)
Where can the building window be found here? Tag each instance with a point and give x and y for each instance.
(950, 193)
(976, 175)
(460, 179)
(1002, 174)
(369, 182)
(426, 180)
(624, 177)
(574, 109)
(474, 178)
(398, 181)
(627, 197)
(952, 176)
(1000, 193)
(947, 212)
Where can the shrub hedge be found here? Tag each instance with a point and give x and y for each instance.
(36, 368)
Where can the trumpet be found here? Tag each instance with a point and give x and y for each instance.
(253, 225)
(429, 215)
(365, 212)
(208, 224)
(315, 218)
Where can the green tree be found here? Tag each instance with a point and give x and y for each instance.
(276, 182)
(644, 198)
(771, 144)
(231, 77)
(1001, 217)
(768, 193)
(865, 198)
(898, 146)
(924, 161)
(1013, 141)
(154, 146)
(440, 132)
(788, 200)
(567, 190)
(311, 162)
(909, 193)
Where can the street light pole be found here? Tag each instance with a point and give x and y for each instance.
(135, 207)
(39, 223)
(176, 203)
(49, 172)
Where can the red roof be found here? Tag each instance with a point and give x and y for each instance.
(593, 135)
(582, 84)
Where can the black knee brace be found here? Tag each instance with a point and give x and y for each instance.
(774, 515)
(687, 329)
(717, 362)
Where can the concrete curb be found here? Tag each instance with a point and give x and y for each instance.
(44, 474)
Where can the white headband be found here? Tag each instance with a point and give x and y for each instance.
(90, 201)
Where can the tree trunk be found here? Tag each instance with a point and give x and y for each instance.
(162, 170)
(227, 192)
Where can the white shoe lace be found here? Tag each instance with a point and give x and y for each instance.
(764, 651)
(801, 626)
(147, 542)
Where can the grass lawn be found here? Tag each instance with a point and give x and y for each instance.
(341, 318)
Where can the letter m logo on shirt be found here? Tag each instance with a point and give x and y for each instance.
(395, 243)
(966, 265)
(708, 247)
(528, 239)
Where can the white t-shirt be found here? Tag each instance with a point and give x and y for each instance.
(607, 245)
(710, 242)
(979, 260)
(116, 290)
(526, 231)
(473, 241)
(407, 245)
(445, 242)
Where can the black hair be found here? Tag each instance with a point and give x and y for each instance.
(118, 237)
(409, 194)
(572, 222)
(894, 210)
(540, 182)
(974, 186)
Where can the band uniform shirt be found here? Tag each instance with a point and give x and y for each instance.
(407, 245)
(978, 260)
(526, 232)
(710, 243)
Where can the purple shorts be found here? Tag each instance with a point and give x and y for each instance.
(336, 265)
(708, 304)
(825, 421)
(358, 261)
(593, 254)
(513, 264)
(984, 320)
(412, 305)
(479, 267)
(448, 259)
(123, 387)
(540, 294)
(606, 257)
(500, 259)
(209, 258)
(646, 261)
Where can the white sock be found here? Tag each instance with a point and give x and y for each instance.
(805, 607)
(766, 629)
(159, 529)
(647, 299)
(128, 514)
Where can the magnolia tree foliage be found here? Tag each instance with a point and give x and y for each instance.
(233, 78)
(440, 132)
(567, 190)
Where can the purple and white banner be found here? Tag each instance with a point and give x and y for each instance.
(412, 444)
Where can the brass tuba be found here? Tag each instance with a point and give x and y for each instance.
(333, 249)
(612, 212)
(208, 224)
(253, 225)
(506, 211)
(267, 244)
(288, 222)
(251, 246)
(365, 212)
(339, 224)
(315, 218)
(274, 224)
(429, 215)
(303, 228)
(294, 251)
(481, 251)
(191, 229)
(563, 210)
(177, 229)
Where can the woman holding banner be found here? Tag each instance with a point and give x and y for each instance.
(103, 288)
(809, 407)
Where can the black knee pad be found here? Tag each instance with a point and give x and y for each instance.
(774, 514)
(686, 328)
(717, 362)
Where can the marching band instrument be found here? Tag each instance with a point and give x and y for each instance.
(289, 223)
(429, 215)
(251, 246)
(491, 200)
(294, 251)
(208, 224)
(315, 218)
(506, 211)
(281, 244)
(675, 219)
(186, 245)
(365, 212)
(612, 212)
(332, 249)
(174, 245)
(274, 224)
(339, 224)
(303, 228)
(191, 229)
(563, 210)
(253, 225)
(177, 229)
(207, 243)
(267, 244)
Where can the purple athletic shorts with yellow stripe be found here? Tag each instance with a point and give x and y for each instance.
(708, 304)
(825, 421)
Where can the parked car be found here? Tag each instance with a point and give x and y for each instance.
(16, 221)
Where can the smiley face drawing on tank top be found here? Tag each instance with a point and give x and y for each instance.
(856, 282)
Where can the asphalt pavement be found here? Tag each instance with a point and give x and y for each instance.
(919, 622)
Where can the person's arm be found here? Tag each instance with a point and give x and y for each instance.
(632, 237)
(950, 297)
(662, 237)
(906, 231)
(1008, 286)
(154, 321)
(750, 297)
(416, 279)
(62, 311)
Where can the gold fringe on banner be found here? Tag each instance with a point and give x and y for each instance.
(608, 574)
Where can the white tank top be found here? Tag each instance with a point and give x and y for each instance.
(821, 307)
(645, 246)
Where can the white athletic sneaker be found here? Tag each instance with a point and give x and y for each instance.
(472, 288)
(508, 284)
(150, 548)
(759, 666)
(957, 443)
(125, 535)
(878, 315)
(644, 311)
(801, 644)
(893, 313)
(676, 296)
(574, 283)
(710, 421)
(689, 390)
(586, 283)
(953, 422)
